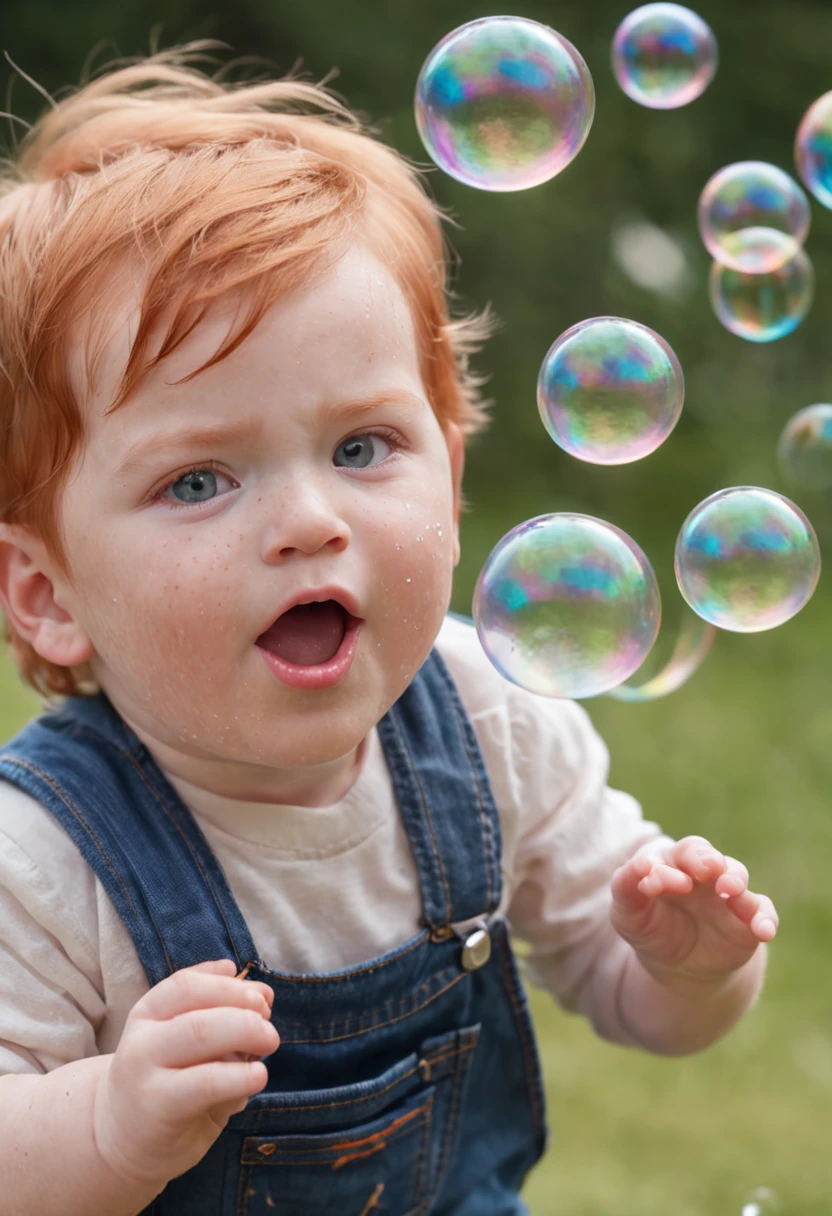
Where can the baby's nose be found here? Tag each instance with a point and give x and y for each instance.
(306, 521)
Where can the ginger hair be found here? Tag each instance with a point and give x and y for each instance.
(213, 189)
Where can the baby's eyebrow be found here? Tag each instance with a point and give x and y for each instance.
(346, 412)
(241, 430)
(237, 431)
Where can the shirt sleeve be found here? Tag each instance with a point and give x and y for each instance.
(572, 832)
(50, 988)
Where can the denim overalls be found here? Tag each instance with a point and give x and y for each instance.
(405, 1085)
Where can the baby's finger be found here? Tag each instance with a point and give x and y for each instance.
(756, 911)
(734, 881)
(697, 857)
(199, 988)
(625, 880)
(203, 1035)
(188, 1091)
(665, 880)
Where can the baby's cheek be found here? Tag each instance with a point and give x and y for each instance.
(160, 619)
(415, 588)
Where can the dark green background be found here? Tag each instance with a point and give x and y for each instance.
(742, 754)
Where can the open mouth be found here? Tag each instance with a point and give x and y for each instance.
(307, 634)
(311, 645)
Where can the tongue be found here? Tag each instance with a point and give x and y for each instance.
(307, 634)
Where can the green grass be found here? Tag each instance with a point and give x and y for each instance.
(742, 755)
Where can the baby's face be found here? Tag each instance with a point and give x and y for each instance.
(339, 488)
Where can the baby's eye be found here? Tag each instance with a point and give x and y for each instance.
(195, 486)
(359, 451)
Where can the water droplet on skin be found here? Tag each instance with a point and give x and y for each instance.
(418, 537)
(408, 580)
(115, 599)
(398, 546)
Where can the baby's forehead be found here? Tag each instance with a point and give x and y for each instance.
(343, 331)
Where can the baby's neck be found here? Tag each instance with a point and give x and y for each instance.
(311, 785)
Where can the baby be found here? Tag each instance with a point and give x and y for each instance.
(260, 852)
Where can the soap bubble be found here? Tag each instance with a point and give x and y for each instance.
(610, 390)
(763, 307)
(504, 103)
(664, 56)
(567, 606)
(693, 645)
(813, 149)
(805, 448)
(747, 559)
(753, 217)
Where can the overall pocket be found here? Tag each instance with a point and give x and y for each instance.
(394, 1139)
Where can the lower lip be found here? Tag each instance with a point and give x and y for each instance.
(317, 675)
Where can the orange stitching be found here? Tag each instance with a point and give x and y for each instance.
(372, 1202)
(396, 1130)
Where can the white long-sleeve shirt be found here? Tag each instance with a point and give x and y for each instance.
(323, 888)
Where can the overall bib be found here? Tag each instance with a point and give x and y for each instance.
(405, 1086)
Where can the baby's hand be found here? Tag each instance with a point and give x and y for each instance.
(689, 915)
(179, 1071)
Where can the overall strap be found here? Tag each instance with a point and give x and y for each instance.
(86, 766)
(445, 798)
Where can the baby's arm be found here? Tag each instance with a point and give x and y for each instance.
(106, 1134)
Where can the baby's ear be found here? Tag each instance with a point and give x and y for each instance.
(456, 450)
(28, 577)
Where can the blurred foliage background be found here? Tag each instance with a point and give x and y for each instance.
(742, 754)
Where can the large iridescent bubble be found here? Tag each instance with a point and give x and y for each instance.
(805, 448)
(753, 217)
(813, 149)
(747, 559)
(567, 606)
(610, 391)
(763, 307)
(504, 103)
(664, 56)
